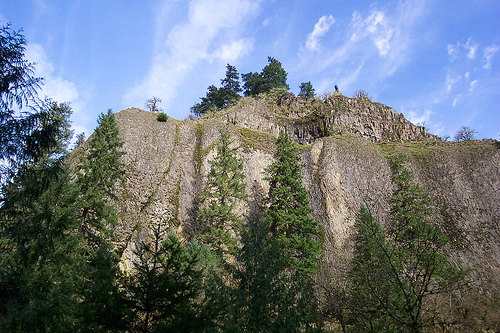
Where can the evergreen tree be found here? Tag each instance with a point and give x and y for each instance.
(306, 89)
(411, 262)
(374, 267)
(225, 187)
(166, 292)
(218, 98)
(17, 83)
(41, 261)
(98, 172)
(288, 215)
(253, 84)
(231, 85)
(17, 87)
(280, 254)
(273, 76)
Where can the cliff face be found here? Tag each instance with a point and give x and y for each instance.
(344, 143)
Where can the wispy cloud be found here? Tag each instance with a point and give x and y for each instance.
(55, 86)
(214, 30)
(320, 29)
(374, 44)
(489, 53)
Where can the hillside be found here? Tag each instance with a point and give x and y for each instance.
(344, 144)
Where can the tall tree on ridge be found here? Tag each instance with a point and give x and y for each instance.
(98, 172)
(225, 187)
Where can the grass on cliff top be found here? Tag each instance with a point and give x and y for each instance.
(256, 140)
(466, 150)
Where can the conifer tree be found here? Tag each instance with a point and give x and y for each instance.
(98, 172)
(273, 76)
(410, 260)
(373, 266)
(224, 189)
(306, 89)
(41, 262)
(231, 85)
(166, 293)
(288, 215)
(280, 254)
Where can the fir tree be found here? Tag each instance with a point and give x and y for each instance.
(288, 215)
(273, 76)
(280, 254)
(98, 172)
(372, 278)
(306, 89)
(410, 260)
(231, 85)
(225, 188)
(166, 292)
(42, 259)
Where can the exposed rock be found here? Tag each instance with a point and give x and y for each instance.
(343, 145)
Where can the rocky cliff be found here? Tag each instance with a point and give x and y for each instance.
(344, 144)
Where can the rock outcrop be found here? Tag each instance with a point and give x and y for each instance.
(344, 144)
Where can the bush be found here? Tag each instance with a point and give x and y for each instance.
(361, 94)
(162, 117)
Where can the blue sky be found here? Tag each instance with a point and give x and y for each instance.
(435, 61)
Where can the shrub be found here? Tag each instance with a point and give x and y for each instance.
(361, 94)
(162, 117)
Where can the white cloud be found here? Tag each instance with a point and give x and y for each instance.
(489, 52)
(473, 85)
(450, 81)
(202, 37)
(56, 87)
(230, 52)
(320, 29)
(420, 119)
(452, 51)
(471, 47)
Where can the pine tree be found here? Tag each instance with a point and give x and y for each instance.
(231, 85)
(280, 254)
(42, 262)
(306, 89)
(409, 259)
(166, 292)
(273, 76)
(225, 188)
(374, 267)
(98, 172)
(288, 215)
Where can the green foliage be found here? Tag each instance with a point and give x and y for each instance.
(272, 297)
(280, 254)
(273, 76)
(162, 117)
(288, 215)
(98, 171)
(166, 291)
(42, 258)
(374, 292)
(392, 276)
(17, 84)
(104, 306)
(225, 187)
(306, 90)
(218, 98)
